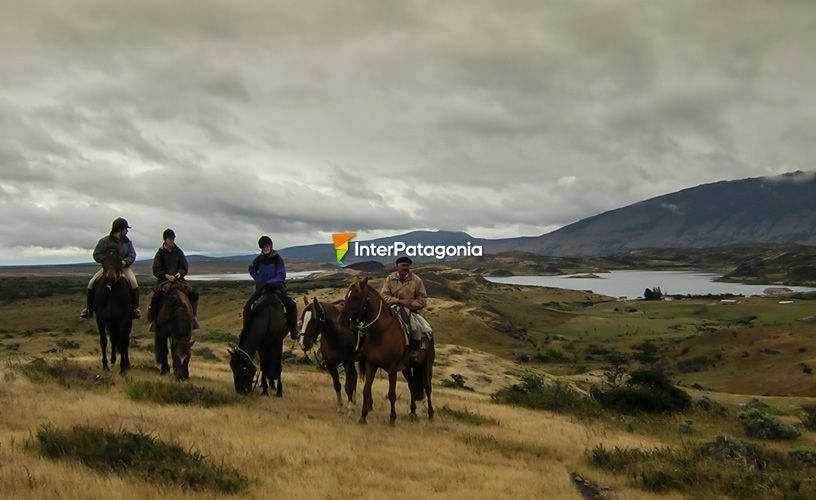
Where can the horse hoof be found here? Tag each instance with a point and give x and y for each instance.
(165, 371)
(392, 422)
(106, 368)
(265, 393)
(340, 409)
(362, 421)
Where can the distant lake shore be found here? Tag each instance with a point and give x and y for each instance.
(631, 284)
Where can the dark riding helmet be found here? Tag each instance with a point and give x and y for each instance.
(265, 240)
(168, 233)
(404, 259)
(119, 224)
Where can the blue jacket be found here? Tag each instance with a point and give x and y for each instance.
(124, 247)
(268, 270)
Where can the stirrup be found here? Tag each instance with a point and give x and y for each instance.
(137, 314)
(152, 326)
(86, 314)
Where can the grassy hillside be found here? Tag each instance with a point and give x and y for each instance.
(490, 337)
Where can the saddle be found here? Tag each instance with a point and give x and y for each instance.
(270, 298)
(413, 324)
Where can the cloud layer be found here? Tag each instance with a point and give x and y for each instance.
(225, 121)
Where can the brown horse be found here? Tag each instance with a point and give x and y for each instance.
(385, 347)
(113, 312)
(263, 334)
(337, 346)
(174, 322)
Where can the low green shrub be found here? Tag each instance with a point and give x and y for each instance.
(809, 417)
(467, 417)
(456, 381)
(646, 391)
(172, 393)
(761, 425)
(708, 405)
(534, 392)
(139, 454)
(63, 372)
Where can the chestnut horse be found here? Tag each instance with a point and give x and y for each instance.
(263, 334)
(385, 347)
(174, 323)
(113, 312)
(322, 322)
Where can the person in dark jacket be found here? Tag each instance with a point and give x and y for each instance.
(170, 266)
(269, 273)
(117, 239)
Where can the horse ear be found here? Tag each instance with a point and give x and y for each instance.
(230, 352)
(192, 343)
(305, 300)
(314, 299)
(364, 282)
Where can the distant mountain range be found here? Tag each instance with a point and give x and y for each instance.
(760, 210)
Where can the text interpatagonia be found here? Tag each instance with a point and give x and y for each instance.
(417, 250)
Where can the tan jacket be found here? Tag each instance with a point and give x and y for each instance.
(411, 289)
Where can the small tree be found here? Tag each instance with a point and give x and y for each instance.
(653, 293)
(614, 374)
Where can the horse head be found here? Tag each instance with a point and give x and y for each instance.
(243, 371)
(181, 358)
(111, 267)
(313, 323)
(356, 300)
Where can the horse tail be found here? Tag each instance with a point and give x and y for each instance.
(416, 384)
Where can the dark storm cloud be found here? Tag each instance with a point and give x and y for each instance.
(302, 118)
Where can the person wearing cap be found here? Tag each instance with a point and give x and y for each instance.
(118, 240)
(169, 267)
(404, 290)
(269, 273)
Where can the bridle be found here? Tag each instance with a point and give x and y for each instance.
(361, 327)
(320, 329)
(246, 359)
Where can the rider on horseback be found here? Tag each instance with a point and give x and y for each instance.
(404, 289)
(269, 274)
(118, 240)
(170, 267)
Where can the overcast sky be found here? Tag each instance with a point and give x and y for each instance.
(228, 120)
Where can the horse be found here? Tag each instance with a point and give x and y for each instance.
(264, 334)
(174, 322)
(114, 318)
(385, 347)
(337, 346)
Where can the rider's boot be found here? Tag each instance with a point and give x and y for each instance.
(88, 311)
(414, 346)
(134, 300)
(194, 303)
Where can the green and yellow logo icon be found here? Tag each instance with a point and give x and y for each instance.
(341, 245)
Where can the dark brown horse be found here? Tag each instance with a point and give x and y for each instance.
(263, 334)
(323, 321)
(385, 347)
(113, 311)
(174, 323)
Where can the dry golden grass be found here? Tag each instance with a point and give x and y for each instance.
(299, 447)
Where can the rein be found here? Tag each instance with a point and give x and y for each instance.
(363, 329)
(247, 358)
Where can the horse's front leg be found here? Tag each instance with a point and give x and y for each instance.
(351, 386)
(337, 387)
(392, 395)
(124, 344)
(264, 372)
(278, 371)
(103, 344)
(368, 402)
(428, 374)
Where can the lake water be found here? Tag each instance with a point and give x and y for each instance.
(299, 275)
(631, 284)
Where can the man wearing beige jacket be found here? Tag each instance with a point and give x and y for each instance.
(404, 289)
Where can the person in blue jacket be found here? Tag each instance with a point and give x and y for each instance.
(269, 273)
